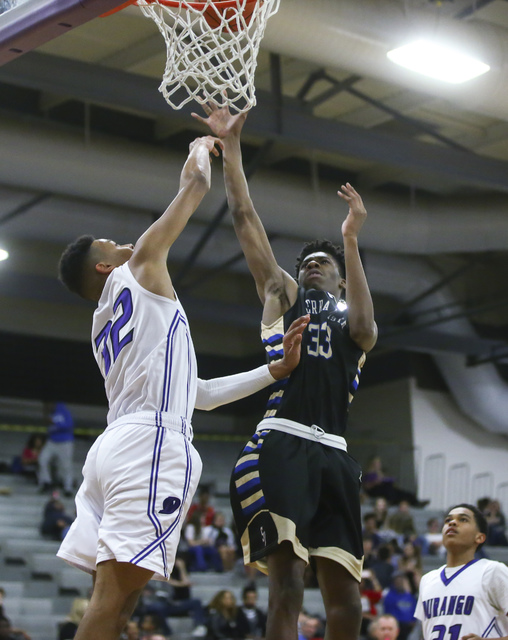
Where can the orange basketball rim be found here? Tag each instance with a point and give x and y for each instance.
(217, 13)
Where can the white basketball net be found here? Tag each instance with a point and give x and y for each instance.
(213, 63)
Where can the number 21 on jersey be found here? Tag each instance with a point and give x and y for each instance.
(439, 632)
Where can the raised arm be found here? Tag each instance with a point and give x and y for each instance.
(148, 262)
(276, 288)
(362, 327)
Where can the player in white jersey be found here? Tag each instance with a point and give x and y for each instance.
(141, 473)
(466, 599)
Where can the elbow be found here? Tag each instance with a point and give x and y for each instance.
(364, 335)
(242, 211)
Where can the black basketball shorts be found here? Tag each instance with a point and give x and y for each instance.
(284, 487)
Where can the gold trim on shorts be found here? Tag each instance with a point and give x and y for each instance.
(286, 530)
(346, 559)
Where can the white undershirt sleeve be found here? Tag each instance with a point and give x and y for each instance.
(217, 391)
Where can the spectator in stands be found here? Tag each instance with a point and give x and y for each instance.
(149, 604)
(202, 555)
(151, 623)
(369, 555)
(202, 507)
(496, 521)
(2, 598)
(6, 630)
(410, 563)
(383, 567)
(59, 447)
(381, 512)
(68, 629)
(180, 602)
(370, 530)
(250, 620)
(370, 593)
(222, 617)
(28, 462)
(377, 484)
(309, 628)
(55, 520)
(401, 603)
(131, 631)
(402, 521)
(223, 539)
(386, 627)
(431, 542)
(8, 633)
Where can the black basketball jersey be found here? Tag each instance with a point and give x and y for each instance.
(321, 388)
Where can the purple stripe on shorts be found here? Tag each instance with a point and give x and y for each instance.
(152, 496)
(160, 541)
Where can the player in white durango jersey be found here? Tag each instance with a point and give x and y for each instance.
(467, 598)
(141, 473)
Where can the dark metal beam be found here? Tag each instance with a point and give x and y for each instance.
(428, 341)
(463, 313)
(276, 85)
(314, 77)
(24, 208)
(96, 84)
(428, 292)
(338, 87)
(220, 268)
(397, 115)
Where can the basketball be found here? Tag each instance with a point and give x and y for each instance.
(224, 11)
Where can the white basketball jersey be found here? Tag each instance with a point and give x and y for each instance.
(143, 347)
(473, 598)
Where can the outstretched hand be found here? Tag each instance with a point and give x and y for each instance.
(209, 142)
(221, 121)
(292, 343)
(357, 213)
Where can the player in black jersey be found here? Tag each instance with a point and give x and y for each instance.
(294, 489)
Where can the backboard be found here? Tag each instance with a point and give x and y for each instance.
(31, 23)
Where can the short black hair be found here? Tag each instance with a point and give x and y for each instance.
(326, 246)
(480, 519)
(248, 589)
(72, 262)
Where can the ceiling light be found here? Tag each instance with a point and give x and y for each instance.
(3, 254)
(437, 61)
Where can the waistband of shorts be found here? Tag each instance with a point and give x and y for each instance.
(314, 433)
(155, 419)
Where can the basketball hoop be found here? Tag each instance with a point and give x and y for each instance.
(212, 48)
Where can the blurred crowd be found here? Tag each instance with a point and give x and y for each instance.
(393, 550)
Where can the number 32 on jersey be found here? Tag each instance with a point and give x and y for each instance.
(109, 335)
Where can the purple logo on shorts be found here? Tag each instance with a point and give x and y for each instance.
(170, 505)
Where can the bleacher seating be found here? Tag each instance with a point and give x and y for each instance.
(40, 587)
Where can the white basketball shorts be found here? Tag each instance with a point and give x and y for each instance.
(138, 482)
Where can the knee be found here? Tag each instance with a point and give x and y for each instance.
(349, 606)
(287, 590)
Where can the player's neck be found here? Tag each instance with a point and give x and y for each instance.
(459, 557)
